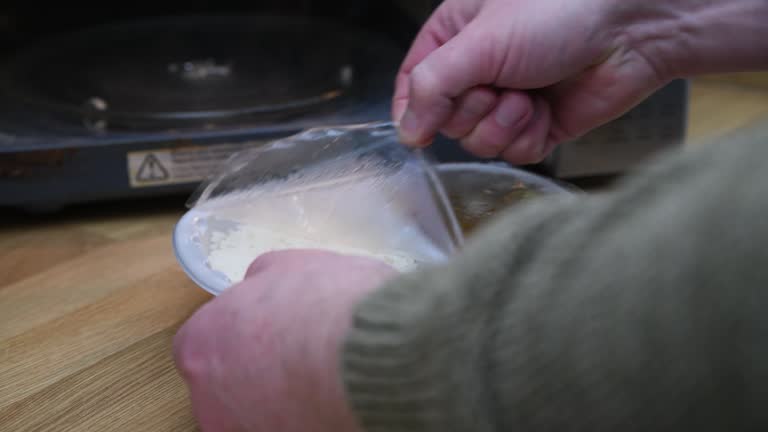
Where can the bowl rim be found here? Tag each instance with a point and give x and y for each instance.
(192, 260)
(506, 169)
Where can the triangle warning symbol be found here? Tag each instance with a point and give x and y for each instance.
(151, 170)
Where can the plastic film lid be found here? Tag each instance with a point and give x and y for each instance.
(360, 176)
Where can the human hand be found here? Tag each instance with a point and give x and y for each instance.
(515, 78)
(264, 355)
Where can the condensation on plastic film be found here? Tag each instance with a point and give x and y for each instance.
(360, 177)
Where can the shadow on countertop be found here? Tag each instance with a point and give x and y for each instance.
(15, 218)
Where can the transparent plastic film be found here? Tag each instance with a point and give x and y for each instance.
(353, 190)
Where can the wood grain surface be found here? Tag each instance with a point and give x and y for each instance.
(90, 300)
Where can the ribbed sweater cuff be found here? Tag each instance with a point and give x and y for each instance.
(419, 355)
(409, 367)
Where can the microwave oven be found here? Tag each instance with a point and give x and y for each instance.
(147, 100)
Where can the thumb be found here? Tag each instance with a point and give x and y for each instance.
(465, 61)
(286, 260)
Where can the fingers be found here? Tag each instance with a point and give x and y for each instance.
(446, 73)
(516, 127)
(287, 259)
(446, 22)
(431, 36)
(291, 261)
(501, 126)
(470, 109)
(192, 348)
(532, 145)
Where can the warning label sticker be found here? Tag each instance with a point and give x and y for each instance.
(168, 166)
(151, 170)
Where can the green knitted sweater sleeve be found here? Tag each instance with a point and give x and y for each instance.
(635, 310)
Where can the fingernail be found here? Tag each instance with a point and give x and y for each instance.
(409, 125)
(510, 114)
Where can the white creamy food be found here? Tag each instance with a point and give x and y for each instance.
(365, 217)
(232, 252)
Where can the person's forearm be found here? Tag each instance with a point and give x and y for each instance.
(640, 310)
(683, 38)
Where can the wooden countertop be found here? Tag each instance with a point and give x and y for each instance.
(90, 300)
(88, 308)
